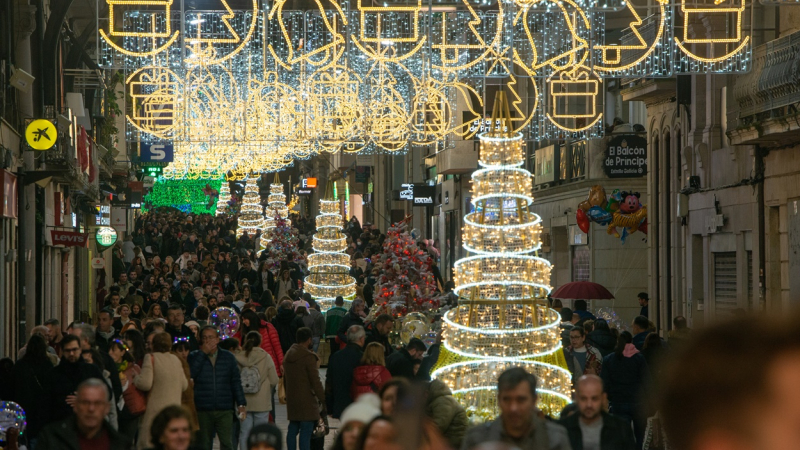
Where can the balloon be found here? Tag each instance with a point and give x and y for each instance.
(226, 320)
(643, 226)
(583, 221)
(11, 416)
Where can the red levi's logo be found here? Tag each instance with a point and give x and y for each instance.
(69, 238)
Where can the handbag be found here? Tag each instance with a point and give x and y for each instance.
(281, 391)
(135, 400)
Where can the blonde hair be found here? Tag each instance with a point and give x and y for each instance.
(373, 355)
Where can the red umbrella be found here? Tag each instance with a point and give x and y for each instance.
(582, 290)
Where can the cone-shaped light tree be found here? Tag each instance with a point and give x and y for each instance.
(329, 265)
(276, 205)
(251, 217)
(502, 319)
(224, 198)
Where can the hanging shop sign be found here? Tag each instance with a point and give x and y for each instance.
(105, 237)
(156, 152)
(423, 195)
(69, 238)
(626, 157)
(98, 263)
(41, 134)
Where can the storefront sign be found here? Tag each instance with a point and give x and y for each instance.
(626, 157)
(69, 238)
(98, 263)
(41, 134)
(159, 152)
(105, 236)
(418, 194)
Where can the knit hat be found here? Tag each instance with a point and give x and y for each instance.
(266, 433)
(192, 322)
(366, 408)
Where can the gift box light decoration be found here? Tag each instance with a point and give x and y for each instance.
(329, 265)
(502, 319)
(251, 216)
(249, 90)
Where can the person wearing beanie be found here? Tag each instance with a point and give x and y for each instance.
(264, 436)
(354, 418)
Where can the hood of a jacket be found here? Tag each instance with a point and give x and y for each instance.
(364, 375)
(438, 389)
(256, 356)
(285, 316)
(296, 353)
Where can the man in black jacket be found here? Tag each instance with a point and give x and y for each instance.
(339, 375)
(176, 328)
(401, 362)
(378, 331)
(355, 316)
(247, 272)
(66, 377)
(592, 427)
(87, 428)
(86, 333)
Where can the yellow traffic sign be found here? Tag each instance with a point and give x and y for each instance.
(41, 134)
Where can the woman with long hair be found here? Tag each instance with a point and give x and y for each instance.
(270, 341)
(284, 283)
(154, 312)
(123, 314)
(624, 374)
(158, 378)
(149, 283)
(135, 342)
(372, 374)
(126, 366)
(265, 277)
(180, 348)
(136, 311)
(259, 376)
(29, 385)
(171, 429)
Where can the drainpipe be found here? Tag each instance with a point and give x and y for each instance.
(760, 168)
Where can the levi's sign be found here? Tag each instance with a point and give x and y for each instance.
(69, 238)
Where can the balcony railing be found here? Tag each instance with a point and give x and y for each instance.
(774, 83)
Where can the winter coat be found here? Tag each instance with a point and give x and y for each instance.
(616, 433)
(374, 336)
(103, 340)
(304, 391)
(339, 377)
(287, 323)
(348, 320)
(270, 343)
(594, 361)
(184, 331)
(545, 435)
(368, 379)
(333, 318)
(445, 411)
(400, 364)
(63, 435)
(217, 387)
(316, 321)
(283, 287)
(162, 377)
(64, 381)
(29, 388)
(624, 377)
(602, 340)
(187, 396)
(260, 401)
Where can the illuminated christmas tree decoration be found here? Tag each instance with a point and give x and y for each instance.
(224, 198)
(251, 217)
(276, 207)
(502, 319)
(329, 265)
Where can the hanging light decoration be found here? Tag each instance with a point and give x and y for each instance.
(502, 319)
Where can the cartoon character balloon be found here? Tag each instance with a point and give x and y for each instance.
(619, 210)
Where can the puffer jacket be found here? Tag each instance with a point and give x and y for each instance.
(270, 343)
(368, 379)
(216, 386)
(445, 411)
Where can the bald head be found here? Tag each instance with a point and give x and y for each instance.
(590, 397)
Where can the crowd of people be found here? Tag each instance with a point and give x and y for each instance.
(154, 370)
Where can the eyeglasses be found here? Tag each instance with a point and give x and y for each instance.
(71, 350)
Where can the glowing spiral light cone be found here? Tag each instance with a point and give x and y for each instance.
(251, 218)
(276, 209)
(502, 319)
(224, 198)
(329, 265)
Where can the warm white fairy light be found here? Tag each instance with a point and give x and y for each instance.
(251, 218)
(224, 198)
(329, 265)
